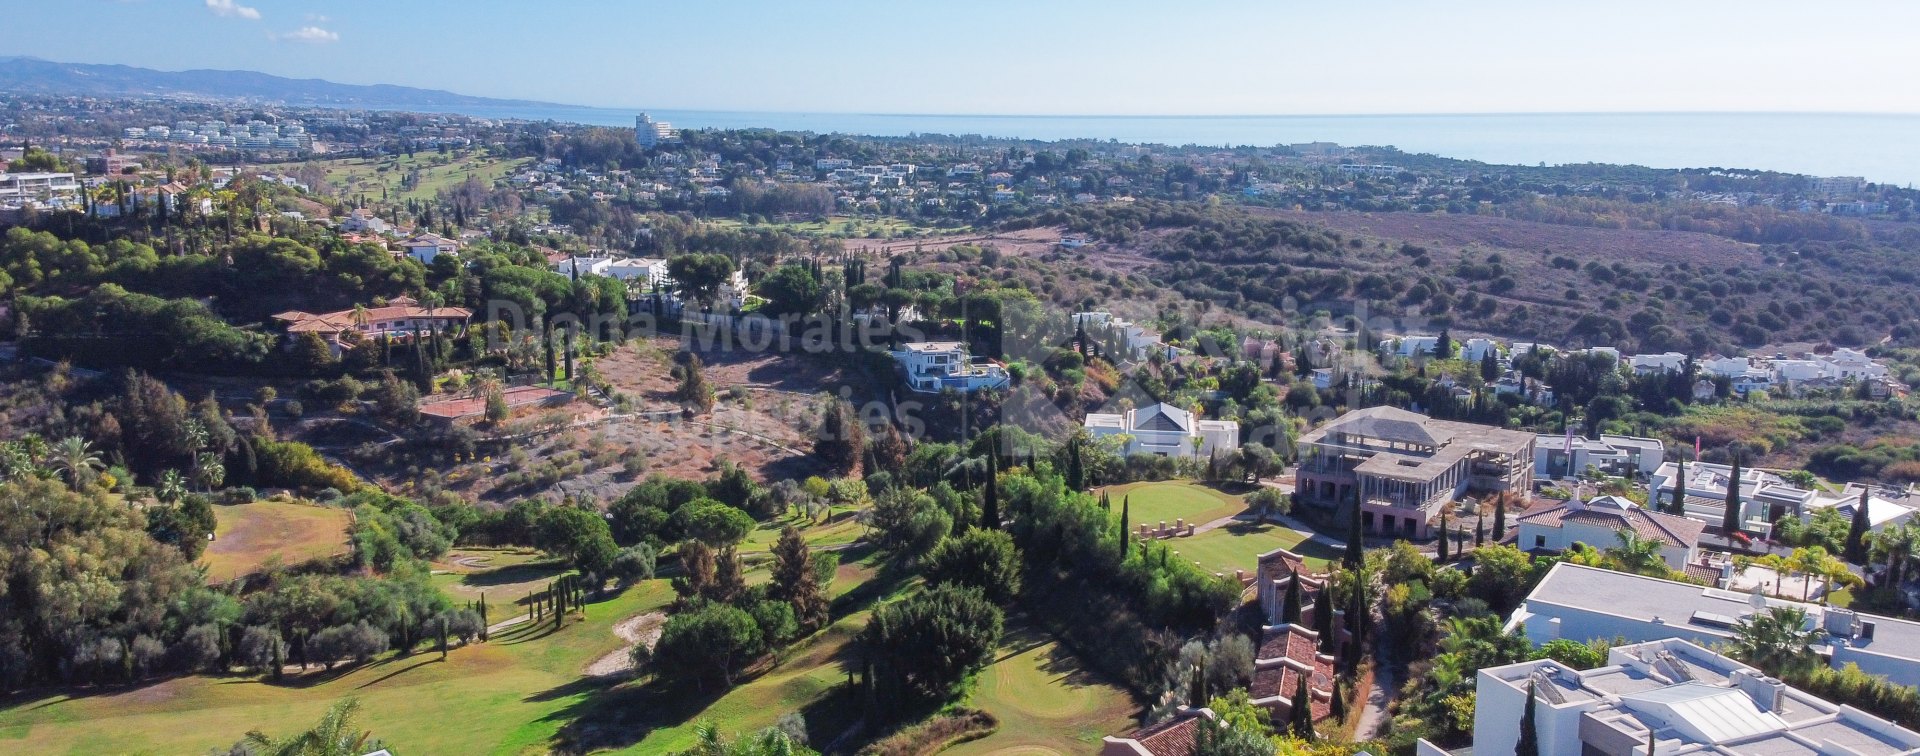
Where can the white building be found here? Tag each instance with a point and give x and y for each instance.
(1764, 496)
(36, 186)
(934, 366)
(1584, 603)
(1665, 362)
(645, 270)
(1619, 456)
(426, 247)
(1138, 341)
(1677, 695)
(1598, 522)
(650, 133)
(363, 221)
(1166, 431)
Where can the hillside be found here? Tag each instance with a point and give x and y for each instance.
(1570, 285)
(22, 75)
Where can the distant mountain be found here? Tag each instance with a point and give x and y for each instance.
(23, 75)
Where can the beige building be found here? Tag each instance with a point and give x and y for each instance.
(1403, 467)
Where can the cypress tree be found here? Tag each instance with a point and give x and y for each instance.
(1197, 686)
(1529, 743)
(1356, 550)
(1323, 617)
(1479, 529)
(1290, 612)
(1857, 532)
(551, 362)
(1730, 519)
(443, 637)
(279, 657)
(1338, 706)
(990, 506)
(1445, 535)
(1300, 710)
(569, 352)
(1679, 504)
(1499, 519)
(1126, 507)
(1076, 473)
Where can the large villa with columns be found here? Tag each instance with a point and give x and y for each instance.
(1404, 467)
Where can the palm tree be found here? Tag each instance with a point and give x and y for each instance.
(74, 458)
(1777, 640)
(172, 487)
(333, 735)
(1896, 546)
(1637, 555)
(208, 471)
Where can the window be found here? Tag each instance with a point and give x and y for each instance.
(1539, 542)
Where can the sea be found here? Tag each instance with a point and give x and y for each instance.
(1883, 148)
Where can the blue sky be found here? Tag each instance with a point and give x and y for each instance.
(1117, 57)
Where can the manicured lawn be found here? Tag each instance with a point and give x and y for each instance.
(1238, 546)
(247, 535)
(504, 577)
(837, 533)
(1154, 502)
(1046, 701)
(509, 696)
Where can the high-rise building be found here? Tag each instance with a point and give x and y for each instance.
(650, 133)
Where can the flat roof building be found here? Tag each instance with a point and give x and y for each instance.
(1585, 603)
(1403, 467)
(1681, 697)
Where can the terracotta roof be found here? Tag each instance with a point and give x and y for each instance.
(1299, 647)
(1174, 737)
(402, 308)
(1615, 513)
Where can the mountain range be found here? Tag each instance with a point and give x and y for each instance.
(25, 75)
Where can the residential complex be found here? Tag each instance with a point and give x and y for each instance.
(403, 316)
(1619, 456)
(1402, 467)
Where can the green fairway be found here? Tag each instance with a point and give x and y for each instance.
(1238, 546)
(508, 696)
(247, 536)
(368, 176)
(1047, 703)
(1166, 501)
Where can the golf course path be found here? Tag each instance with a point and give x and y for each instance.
(640, 629)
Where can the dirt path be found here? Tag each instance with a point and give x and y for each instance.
(640, 629)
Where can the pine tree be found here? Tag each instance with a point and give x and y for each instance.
(990, 502)
(1730, 519)
(1529, 743)
(1856, 546)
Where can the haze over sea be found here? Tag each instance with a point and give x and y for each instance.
(1881, 147)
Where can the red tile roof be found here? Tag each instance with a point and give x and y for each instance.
(1174, 737)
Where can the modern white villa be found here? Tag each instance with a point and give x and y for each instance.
(1166, 431)
(1676, 695)
(934, 366)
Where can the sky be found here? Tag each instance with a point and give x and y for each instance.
(1037, 57)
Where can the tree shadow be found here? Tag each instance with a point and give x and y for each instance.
(519, 573)
(422, 660)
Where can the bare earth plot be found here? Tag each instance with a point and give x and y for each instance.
(248, 534)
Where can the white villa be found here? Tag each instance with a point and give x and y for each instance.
(1598, 522)
(933, 366)
(425, 247)
(1166, 431)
